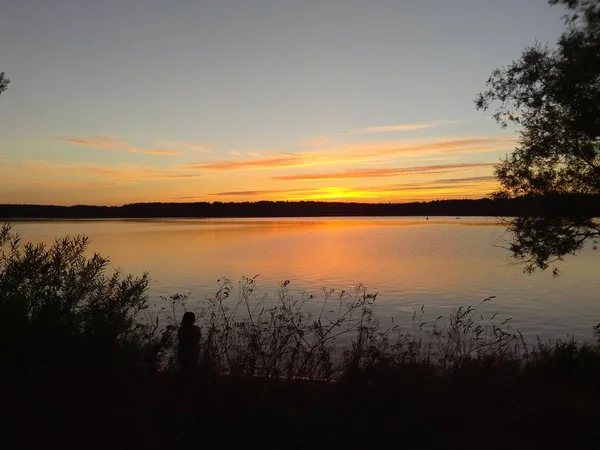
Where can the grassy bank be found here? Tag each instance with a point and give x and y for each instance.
(86, 365)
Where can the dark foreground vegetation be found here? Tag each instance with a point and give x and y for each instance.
(85, 365)
(539, 206)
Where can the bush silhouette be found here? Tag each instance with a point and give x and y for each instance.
(60, 309)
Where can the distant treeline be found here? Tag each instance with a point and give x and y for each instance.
(564, 205)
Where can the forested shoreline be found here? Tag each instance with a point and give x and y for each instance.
(560, 205)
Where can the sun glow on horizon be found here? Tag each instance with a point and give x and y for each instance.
(395, 171)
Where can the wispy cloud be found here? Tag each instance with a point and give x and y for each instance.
(51, 183)
(365, 152)
(390, 128)
(189, 197)
(440, 183)
(197, 147)
(114, 144)
(260, 192)
(384, 172)
(422, 147)
(282, 162)
(122, 172)
(403, 127)
(451, 145)
(468, 186)
(329, 139)
(285, 161)
(487, 179)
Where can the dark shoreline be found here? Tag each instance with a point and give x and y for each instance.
(563, 205)
(86, 368)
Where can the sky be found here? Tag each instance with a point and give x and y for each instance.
(122, 101)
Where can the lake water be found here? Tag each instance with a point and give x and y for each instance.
(440, 263)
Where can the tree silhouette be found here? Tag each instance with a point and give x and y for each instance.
(553, 94)
(3, 82)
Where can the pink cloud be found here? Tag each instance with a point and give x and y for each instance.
(114, 145)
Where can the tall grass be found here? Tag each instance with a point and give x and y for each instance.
(243, 337)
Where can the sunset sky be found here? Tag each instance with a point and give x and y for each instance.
(120, 101)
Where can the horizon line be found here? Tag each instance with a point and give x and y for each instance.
(81, 205)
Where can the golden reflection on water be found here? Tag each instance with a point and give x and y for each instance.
(394, 255)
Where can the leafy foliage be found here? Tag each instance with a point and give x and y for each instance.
(59, 309)
(539, 242)
(553, 94)
(3, 82)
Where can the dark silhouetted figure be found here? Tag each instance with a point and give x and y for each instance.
(189, 343)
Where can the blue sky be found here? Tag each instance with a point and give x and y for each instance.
(144, 100)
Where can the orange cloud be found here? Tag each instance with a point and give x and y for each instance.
(114, 145)
(49, 183)
(379, 149)
(365, 152)
(285, 161)
(390, 128)
(469, 179)
(152, 174)
(384, 172)
(457, 146)
(441, 183)
(263, 192)
(121, 172)
(326, 139)
(478, 186)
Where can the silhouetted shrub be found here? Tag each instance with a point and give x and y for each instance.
(59, 308)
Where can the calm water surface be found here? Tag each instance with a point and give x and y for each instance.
(441, 263)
